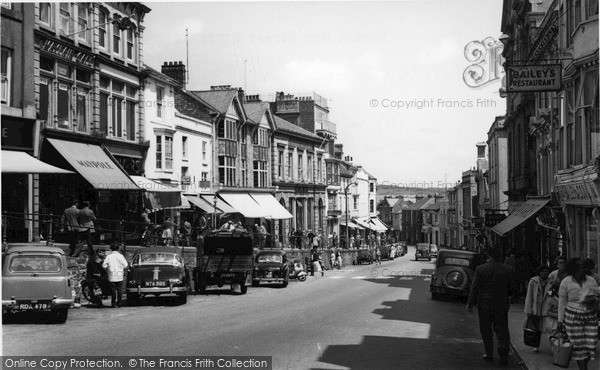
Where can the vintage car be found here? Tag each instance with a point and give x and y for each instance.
(157, 271)
(364, 255)
(271, 266)
(422, 252)
(454, 272)
(36, 278)
(433, 250)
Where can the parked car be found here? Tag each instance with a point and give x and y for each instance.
(226, 258)
(364, 255)
(433, 250)
(454, 272)
(422, 252)
(157, 271)
(402, 249)
(36, 278)
(271, 265)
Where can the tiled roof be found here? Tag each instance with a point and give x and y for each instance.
(431, 207)
(290, 128)
(256, 110)
(392, 201)
(219, 99)
(418, 204)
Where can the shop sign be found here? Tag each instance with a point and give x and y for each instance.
(593, 192)
(544, 77)
(186, 180)
(575, 193)
(67, 53)
(17, 134)
(493, 219)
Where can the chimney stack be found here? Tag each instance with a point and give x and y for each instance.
(175, 70)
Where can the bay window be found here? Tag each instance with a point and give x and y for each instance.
(168, 152)
(164, 152)
(260, 174)
(159, 152)
(244, 172)
(118, 108)
(227, 170)
(227, 129)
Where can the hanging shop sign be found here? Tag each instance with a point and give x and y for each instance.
(493, 219)
(533, 78)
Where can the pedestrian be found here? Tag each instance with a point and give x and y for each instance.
(378, 240)
(293, 238)
(70, 223)
(338, 256)
(167, 232)
(577, 318)
(334, 241)
(315, 241)
(299, 236)
(316, 264)
(352, 242)
(333, 259)
(115, 265)
(378, 256)
(86, 220)
(535, 301)
(490, 290)
(262, 235)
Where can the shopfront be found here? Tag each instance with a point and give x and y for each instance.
(579, 192)
(114, 197)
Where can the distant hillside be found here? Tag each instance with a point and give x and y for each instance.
(392, 190)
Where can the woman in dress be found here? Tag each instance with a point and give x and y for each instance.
(579, 320)
(535, 299)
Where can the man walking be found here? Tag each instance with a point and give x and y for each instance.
(490, 291)
(71, 225)
(115, 265)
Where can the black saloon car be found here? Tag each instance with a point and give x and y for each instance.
(454, 272)
(271, 266)
(422, 252)
(157, 271)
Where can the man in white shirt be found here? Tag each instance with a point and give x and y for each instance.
(115, 265)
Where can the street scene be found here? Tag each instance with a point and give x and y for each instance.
(300, 185)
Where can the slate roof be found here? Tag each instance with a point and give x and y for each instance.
(418, 204)
(289, 128)
(160, 76)
(256, 110)
(431, 207)
(219, 99)
(392, 201)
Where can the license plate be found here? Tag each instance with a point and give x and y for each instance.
(156, 283)
(34, 306)
(227, 274)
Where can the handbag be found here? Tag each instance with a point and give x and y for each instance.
(561, 348)
(531, 333)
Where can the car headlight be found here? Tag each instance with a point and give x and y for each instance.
(175, 281)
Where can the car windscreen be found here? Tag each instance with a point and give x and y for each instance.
(157, 259)
(276, 258)
(37, 263)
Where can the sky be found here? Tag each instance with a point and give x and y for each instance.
(392, 71)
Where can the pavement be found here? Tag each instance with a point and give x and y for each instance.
(543, 359)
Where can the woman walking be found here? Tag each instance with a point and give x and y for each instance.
(579, 320)
(535, 300)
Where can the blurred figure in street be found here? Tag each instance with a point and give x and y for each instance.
(490, 290)
(167, 232)
(535, 301)
(378, 256)
(86, 220)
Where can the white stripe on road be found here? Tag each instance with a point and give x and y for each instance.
(335, 277)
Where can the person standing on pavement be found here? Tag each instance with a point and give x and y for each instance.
(86, 220)
(115, 265)
(378, 256)
(579, 320)
(70, 223)
(535, 301)
(490, 291)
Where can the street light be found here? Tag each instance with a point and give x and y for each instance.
(347, 225)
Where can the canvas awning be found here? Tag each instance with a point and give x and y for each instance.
(200, 203)
(380, 226)
(21, 162)
(271, 206)
(222, 206)
(520, 215)
(91, 162)
(244, 204)
(351, 225)
(158, 195)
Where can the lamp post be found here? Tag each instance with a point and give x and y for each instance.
(215, 212)
(347, 227)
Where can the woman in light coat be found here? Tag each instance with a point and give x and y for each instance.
(537, 292)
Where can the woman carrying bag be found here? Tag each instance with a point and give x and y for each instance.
(535, 307)
(575, 314)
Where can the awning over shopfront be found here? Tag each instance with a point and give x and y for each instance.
(351, 225)
(381, 227)
(91, 162)
(244, 204)
(271, 206)
(21, 162)
(365, 223)
(158, 195)
(200, 203)
(222, 206)
(520, 215)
